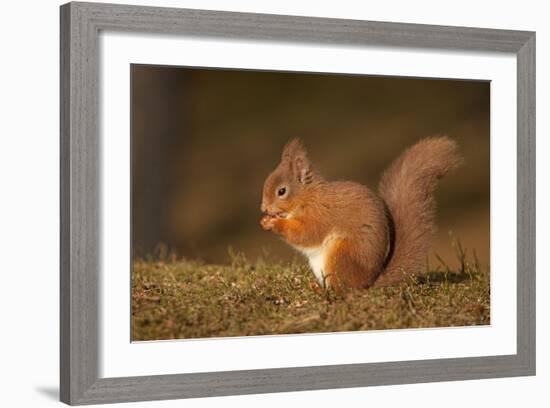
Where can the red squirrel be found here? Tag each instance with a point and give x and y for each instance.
(353, 237)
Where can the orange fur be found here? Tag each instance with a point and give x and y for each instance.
(407, 187)
(296, 233)
(345, 270)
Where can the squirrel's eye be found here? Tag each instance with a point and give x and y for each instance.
(281, 191)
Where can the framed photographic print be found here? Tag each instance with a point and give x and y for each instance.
(260, 203)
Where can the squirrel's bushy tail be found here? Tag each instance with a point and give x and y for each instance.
(407, 187)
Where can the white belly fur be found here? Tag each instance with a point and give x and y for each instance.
(317, 258)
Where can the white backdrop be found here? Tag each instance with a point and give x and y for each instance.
(29, 206)
(120, 358)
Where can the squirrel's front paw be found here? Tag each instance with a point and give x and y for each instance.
(267, 222)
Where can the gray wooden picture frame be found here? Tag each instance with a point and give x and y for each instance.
(80, 235)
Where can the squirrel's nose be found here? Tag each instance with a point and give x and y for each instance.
(263, 207)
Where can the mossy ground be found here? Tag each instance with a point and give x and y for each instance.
(176, 299)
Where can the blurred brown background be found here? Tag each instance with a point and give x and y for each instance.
(204, 141)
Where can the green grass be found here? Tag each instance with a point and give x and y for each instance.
(176, 298)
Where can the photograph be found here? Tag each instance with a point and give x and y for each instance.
(287, 203)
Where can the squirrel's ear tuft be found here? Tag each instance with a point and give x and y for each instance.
(292, 148)
(295, 154)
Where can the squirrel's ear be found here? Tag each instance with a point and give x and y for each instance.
(295, 154)
(302, 169)
(291, 148)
